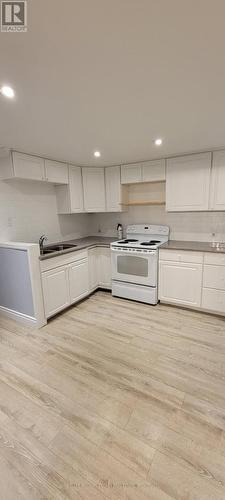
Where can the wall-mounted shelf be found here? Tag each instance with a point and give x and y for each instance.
(147, 202)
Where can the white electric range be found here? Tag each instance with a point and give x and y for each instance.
(135, 262)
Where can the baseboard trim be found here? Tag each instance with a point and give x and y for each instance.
(17, 316)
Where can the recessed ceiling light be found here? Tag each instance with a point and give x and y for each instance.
(97, 154)
(7, 91)
(158, 142)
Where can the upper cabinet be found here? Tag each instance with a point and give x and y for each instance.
(70, 199)
(28, 167)
(217, 191)
(115, 192)
(154, 171)
(148, 171)
(94, 189)
(131, 174)
(188, 182)
(56, 172)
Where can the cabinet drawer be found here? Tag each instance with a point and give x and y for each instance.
(214, 277)
(216, 259)
(213, 300)
(181, 256)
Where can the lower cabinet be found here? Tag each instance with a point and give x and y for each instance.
(213, 300)
(180, 283)
(78, 280)
(104, 268)
(192, 279)
(93, 254)
(55, 290)
(213, 293)
(66, 279)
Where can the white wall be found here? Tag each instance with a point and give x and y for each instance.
(197, 226)
(28, 209)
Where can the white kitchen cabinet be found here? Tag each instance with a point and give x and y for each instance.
(22, 166)
(55, 290)
(94, 189)
(78, 279)
(93, 254)
(100, 272)
(70, 198)
(180, 277)
(55, 172)
(28, 167)
(115, 192)
(131, 173)
(192, 279)
(148, 171)
(154, 171)
(180, 283)
(213, 293)
(217, 188)
(104, 268)
(187, 183)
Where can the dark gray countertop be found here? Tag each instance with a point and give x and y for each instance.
(82, 243)
(195, 246)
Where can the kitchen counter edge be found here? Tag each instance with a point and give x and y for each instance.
(194, 246)
(82, 244)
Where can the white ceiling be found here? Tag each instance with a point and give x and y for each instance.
(113, 75)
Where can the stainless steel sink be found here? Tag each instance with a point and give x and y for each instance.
(56, 248)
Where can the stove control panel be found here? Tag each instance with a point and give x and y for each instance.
(145, 229)
(116, 248)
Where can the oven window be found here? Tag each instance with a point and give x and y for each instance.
(135, 266)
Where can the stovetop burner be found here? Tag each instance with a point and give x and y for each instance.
(150, 243)
(127, 241)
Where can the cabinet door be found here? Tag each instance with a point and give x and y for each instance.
(187, 183)
(76, 190)
(94, 189)
(55, 290)
(28, 167)
(154, 171)
(131, 174)
(217, 193)
(93, 268)
(104, 268)
(113, 189)
(56, 172)
(78, 279)
(180, 283)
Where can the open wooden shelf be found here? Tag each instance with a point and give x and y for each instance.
(147, 202)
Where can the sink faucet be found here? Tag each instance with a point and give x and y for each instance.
(42, 239)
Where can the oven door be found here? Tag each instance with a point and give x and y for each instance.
(135, 267)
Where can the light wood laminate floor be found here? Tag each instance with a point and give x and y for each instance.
(113, 400)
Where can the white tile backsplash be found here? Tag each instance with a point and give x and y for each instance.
(197, 226)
